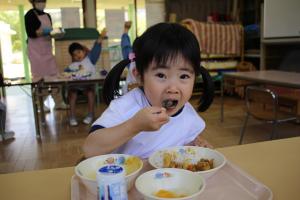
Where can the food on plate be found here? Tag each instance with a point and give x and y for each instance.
(170, 161)
(168, 194)
(204, 161)
(131, 164)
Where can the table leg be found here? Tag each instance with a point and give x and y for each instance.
(97, 94)
(35, 111)
(3, 92)
(222, 100)
(41, 103)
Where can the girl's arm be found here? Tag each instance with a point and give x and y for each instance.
(103, 141)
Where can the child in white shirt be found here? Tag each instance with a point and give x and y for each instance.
(157, 114)
(84, 61)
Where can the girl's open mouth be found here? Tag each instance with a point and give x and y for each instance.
(169, 103)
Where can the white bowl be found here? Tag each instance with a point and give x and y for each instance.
(86, 170)
(189, 154)
(174, 181)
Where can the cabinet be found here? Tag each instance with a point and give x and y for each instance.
(281, 54)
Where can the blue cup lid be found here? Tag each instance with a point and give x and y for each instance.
(111, 169)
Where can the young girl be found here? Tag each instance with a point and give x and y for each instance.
(157, 114)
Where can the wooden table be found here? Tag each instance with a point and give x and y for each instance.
(270, 77)
(274, 163)
(62, 81)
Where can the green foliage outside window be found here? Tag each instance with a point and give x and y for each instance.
(12, 18)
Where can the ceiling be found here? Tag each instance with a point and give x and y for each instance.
(111, 4)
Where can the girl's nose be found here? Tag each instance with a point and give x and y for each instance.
(172, 89)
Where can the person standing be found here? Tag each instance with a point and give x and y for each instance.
(38, 26)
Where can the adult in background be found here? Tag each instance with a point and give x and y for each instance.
(38, 26)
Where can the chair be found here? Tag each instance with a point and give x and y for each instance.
(262, 104)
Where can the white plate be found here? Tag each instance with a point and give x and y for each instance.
(191, 154)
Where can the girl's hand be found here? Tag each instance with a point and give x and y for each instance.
(201, 142)
(150, 118)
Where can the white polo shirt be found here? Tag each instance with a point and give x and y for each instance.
(85, 63)
(180, 130)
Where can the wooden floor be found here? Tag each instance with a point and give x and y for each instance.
(60, 144)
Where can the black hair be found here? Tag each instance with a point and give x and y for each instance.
(161, 43)
(75, 46)
(35, 1)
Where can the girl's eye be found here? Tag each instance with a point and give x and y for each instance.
(184, 76)
(160, 75)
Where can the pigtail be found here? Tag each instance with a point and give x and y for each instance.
(112, 81)
(208, 92)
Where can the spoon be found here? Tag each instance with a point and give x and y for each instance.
(169, 103)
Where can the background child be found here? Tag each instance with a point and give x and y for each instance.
(157, 114)
(83, 60)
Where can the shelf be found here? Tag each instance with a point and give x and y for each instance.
(280, 40)
(252, 53)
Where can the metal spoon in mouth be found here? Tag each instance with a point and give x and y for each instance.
(168, 103)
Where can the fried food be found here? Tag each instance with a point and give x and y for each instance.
(203, 164)
(167, 160)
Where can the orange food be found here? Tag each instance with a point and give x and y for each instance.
(202, 165)
(168, 194)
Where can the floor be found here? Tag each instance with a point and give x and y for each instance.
(60, 144)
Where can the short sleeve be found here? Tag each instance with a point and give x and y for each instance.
(110, 117)
(122, 109)
(195, 127)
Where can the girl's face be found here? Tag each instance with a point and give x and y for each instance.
(171, 84)
(78, 55)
